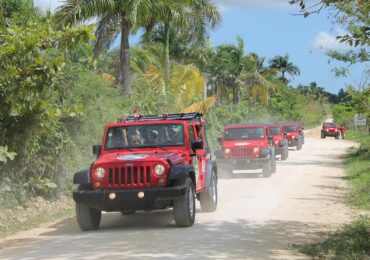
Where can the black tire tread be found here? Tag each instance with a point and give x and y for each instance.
(205, 198)
(181, 208)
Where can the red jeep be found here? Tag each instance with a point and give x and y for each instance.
(330, 129)
(246, 147)
(294, 132)
(149, 163)
(280, 140)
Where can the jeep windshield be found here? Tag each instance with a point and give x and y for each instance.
(290, 128)
(275, 131)
(244, 133)
(330, 125)
(144, 136)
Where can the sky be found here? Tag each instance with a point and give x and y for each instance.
(270, 28)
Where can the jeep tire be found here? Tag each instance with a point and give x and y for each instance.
(184, 208)
(299, 146)
(87, 218)
(284, 155)
(273, 165)
(266, 169)
(208, 198)
(322, 135)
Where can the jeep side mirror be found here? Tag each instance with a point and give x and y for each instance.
(270, 138)
(197, 145)
(219, 140)
(96, 149)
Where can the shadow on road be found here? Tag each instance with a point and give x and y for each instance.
(154, 235)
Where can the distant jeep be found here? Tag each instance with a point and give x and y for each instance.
(149, 163)
(280, 140)
(246, 147)
(330, 129)
(294, 133)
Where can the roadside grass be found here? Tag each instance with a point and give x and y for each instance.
(37, 213)
(353, 240)
(350, 242)
(358, 170)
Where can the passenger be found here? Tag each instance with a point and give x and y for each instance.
(174, 136)
(152, 137)
(135, 139)
(117, 138)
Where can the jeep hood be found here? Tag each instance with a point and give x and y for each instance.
(142, 156)
(245, 143)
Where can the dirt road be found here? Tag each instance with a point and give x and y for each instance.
(257, 218)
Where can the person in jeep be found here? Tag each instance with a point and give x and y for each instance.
(137, 168)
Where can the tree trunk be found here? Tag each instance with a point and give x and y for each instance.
(167, 69)
(124, 62)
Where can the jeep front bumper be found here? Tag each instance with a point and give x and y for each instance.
(294, 143)
(242, 163)
(154, 198)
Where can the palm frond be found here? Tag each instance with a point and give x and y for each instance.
(203, 106)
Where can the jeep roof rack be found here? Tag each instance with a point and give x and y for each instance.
(180, 116)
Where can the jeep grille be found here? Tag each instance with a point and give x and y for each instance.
(241, 152)
(129, 176)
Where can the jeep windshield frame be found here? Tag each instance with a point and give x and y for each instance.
(131, 136)
(244, 133)
(330, 125)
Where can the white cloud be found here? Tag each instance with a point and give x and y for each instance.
(325, 41)
(225, 5)
(47, 4)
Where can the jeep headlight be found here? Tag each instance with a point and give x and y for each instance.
(227, 150)
(99, 173)
(256, 149)
(276, 142)
(159, 170)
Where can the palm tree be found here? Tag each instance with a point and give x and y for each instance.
(185, 81)
(114, 18)
(283, 65)
(190, 16)
(257, 79)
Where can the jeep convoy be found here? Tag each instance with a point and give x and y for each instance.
(149, 163)
(246, 147)
(164, 161)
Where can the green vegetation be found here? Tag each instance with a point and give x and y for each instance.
(350, 242)
(358, 169)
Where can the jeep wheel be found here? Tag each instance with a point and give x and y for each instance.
(284, 155)
(337, 137)
(184, 208)
(87, 218)
(266, 169)
(273, 168)
(208, 198)
(299, 146)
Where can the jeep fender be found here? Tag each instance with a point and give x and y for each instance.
(181, 172)
(211, 166)
(82, 177)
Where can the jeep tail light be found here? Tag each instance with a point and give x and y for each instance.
(99, 173)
